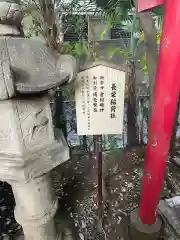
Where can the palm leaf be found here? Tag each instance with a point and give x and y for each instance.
(124, 4)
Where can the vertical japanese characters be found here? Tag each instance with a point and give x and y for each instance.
(101, 99)
(98, 94)
(95, 94)
(97, 97)
(83, 95)
(113, 101)
(88, 102)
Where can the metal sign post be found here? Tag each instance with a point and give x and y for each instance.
(99, 159)
(99, 96)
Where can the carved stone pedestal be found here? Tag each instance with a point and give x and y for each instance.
(35, 208)
(28, 151)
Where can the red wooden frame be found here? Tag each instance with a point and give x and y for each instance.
(166, 93)
(148, 4)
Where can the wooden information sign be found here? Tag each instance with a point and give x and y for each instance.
(99, 96)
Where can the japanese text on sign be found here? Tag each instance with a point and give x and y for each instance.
(99, 96)
(113, 100)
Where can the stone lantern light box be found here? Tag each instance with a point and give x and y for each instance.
(99, 95)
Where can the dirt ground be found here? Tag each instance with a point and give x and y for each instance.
(75, 184)
(124, 169)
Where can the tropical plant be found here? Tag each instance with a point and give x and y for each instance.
(112, 4)
(44, 18)
(129, 23)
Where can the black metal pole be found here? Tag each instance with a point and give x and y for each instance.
(98, 151)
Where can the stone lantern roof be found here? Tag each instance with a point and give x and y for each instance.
(28, 66)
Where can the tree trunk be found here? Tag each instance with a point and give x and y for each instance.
(132, 128)
(150, 38)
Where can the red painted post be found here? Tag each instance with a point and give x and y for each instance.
(148, 4)
(163, 112)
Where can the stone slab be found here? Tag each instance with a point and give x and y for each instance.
(32, 165)
(140, 231)
(177, 161)
(171, 218)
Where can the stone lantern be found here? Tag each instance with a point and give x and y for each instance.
(28, 149)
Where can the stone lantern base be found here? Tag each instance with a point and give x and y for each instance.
(28, 152)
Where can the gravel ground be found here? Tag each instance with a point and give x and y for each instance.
(8, 226)
(75, 184)
(123, 171)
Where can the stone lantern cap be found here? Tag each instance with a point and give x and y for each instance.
(10, 12)
(28, 66)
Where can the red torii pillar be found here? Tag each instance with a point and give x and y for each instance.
(166, 94)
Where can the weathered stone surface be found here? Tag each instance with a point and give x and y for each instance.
(6, 78)
(27, 65)
(25, 125)
(171, 217)
(9, 30)
(176, 160)
(38, 208)
(140, 231)
(32, 67)
(28, 147)
(10, 12)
